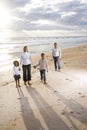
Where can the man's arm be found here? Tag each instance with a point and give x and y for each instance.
(60, 53)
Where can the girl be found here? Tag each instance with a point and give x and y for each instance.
(16, 73)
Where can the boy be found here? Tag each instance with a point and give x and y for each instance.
(43, 67)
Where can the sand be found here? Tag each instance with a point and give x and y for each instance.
(59, 105)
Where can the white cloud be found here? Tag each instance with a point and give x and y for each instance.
(68, 14)
(83, 1)
(50, 16)
(44, 22)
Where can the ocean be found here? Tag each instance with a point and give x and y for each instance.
(10, 49)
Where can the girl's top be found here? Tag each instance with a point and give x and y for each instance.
(43, 64)
(56, 52)
(16, 70)
(26, 58)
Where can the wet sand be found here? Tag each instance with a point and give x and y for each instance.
(61, 104)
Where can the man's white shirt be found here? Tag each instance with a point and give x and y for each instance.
(56, 52)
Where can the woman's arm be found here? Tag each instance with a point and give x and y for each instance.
(37, 65)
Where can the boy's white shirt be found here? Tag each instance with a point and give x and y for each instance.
(56, 52)
(16, 70)
(43, 64)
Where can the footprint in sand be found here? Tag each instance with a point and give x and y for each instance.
(68, 79)
(71, 112)
(78, 113)
(63, 113)
(79, 93)
(15, 119)
(65, 62)
(55, 91)
(14, 124)
(18, 98)
(83, 96)
(58, 99)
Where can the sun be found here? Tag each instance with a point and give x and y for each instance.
(5, 17)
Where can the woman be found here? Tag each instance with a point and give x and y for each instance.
(56, 53)
(26, 65)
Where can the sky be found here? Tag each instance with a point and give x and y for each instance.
(43, 18)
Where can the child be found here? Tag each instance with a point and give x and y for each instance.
(43, 67)
(16, 73)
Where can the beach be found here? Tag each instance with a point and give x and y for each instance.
(61, 104)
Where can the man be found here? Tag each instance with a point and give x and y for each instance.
(56, 53)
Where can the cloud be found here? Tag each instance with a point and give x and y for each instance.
(64, 15)
(15, 3)
(74, 14)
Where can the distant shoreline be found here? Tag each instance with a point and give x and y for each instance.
(8, 65)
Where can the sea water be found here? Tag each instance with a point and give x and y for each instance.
(11, 49)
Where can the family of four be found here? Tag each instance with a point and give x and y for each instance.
(26, 62)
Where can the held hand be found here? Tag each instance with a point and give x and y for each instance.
(34, 67)
(19, 69)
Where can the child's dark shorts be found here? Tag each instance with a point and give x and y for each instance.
(17, 77)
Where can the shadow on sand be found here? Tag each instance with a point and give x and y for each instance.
(51, 118)
(77, 110)
(30, 121)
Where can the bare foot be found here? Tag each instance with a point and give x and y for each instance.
(29, 83)
(25, 84)
(59, 70)
(45, 82)
(19, 85)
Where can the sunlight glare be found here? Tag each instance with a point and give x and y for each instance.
(5, 17)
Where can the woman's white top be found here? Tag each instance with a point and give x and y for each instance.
(43, 64)
(16, 70)
(26, 58)
(56, 52)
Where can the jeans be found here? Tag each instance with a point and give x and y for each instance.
(43, 74)
(57, 62)
(26, 72)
